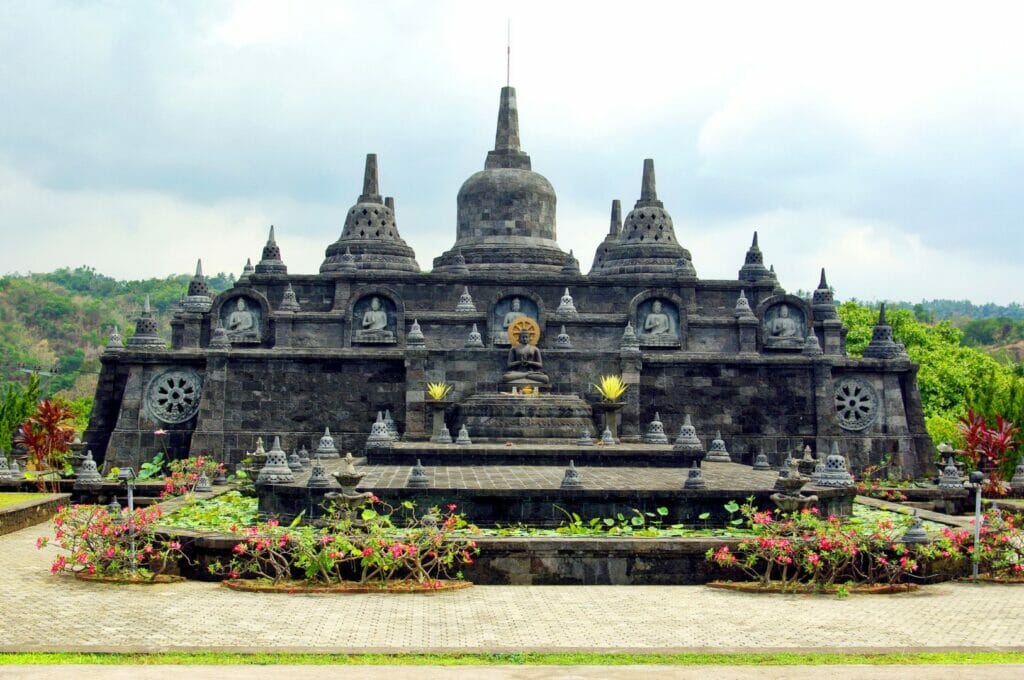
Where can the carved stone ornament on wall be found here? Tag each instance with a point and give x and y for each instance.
(506, 311)
(373, 320)
(242, 319)
(856, 403)
(172, 396)
(657, 323)
(784, 326)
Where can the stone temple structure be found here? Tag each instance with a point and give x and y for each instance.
(506, 318)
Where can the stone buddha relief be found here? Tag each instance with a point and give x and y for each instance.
(374, 320)
(784, 326)
(242, 320)
(658, 323)
(506, 311)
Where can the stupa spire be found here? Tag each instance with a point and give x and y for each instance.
(616, 219)
(506, 138)
(648, 188)
(199, 268)
(822, 284)
(371, 183)
(271, 262)
(753, 268)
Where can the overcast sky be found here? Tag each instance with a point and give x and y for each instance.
(884, 141)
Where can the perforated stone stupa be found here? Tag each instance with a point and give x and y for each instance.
(507, 319)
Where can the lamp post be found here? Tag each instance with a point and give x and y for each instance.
(127, 475)
(974, 482)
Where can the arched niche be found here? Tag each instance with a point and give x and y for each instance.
(245, 315)
(659, 318)
(376, 317)
(785, 322)
(502, 310)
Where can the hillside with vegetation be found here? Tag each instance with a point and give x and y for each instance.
(57, 324)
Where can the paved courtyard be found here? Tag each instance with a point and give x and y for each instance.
(45, 612)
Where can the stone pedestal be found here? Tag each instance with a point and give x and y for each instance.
(510, 416)
(611, 417)
(437, 424)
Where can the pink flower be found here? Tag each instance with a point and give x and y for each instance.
(451, 507)
(813, 558)
(174, 545)
(41, 542)
(239, 549)
(159, 433)
(367, 552)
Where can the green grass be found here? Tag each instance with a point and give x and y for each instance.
(558, 659)
(9, 499)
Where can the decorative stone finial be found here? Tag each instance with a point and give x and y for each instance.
(753, 268)
(882, 345)
(347, 262)
(607, 438)
(655, 431)
(14, 472)
(506, 137)
(219, 336)
(114, 342)
(687, 444)
(743, 310)
(694, 478)
(220, 478)
(811, 346)
(146, 335)
(380, 436)
(835, 473)
(458, 264)
(566, 306)
(585, 439)
(761, 461)
(444, 436)
(823, 304)
(1016, 483)
(562, 340)
(463, 438)
(629, 340)
(271, 262)
(276, 470)
(88, 476)
(289, 302)
(571, 264)
(294, 462)
(717, 452)
(197, 299)
(318, 478)
(474, 339)
(915, 534)
(5, 470)
(392, 427)
(415, 335)
(572, 478)
(247, 270)
(465, 302)
(326, 448)
(203, 484)
(950, 479)
(371, 186)
(418, 478)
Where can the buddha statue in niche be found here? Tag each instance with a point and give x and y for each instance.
(657, 321)
(242, 325)
(525, 363)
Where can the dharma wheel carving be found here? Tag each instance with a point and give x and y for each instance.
(856, 403)
(173, 395)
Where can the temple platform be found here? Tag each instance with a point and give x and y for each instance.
(511, 416)
(541, 452)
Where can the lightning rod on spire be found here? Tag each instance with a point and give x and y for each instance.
(508, 53)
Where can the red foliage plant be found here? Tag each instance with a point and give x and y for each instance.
(987, 447)
(47, 435)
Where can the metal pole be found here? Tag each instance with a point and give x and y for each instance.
(131, 523)
(977, 531)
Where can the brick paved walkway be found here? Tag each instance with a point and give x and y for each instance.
(43, 612)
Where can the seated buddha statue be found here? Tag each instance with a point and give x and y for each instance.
(525, 363)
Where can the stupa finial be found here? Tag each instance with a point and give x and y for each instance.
(371, 185)
(648, 189)
(616, 220)
(506, 138)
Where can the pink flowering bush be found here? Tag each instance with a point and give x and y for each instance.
(96, 542)
(185, 473)
(804, 549)
(1001, 545)
(372, 544)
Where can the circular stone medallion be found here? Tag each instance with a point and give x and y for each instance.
(856, 403)
(173, 395)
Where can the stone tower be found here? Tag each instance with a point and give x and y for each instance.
(647, 242)
(506, 212)
(371, 233)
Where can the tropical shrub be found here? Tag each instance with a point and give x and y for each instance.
(611, 387)
(96, 542)
(185, 473)
(988, 447)
(371, 544)
(1001, 544)
(803, 549)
